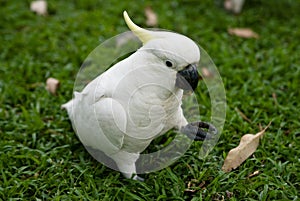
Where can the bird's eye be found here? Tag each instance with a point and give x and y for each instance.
(169, 63)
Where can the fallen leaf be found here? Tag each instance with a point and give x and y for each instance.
(234, 6)
(228, 5)
(243, 32)
(246, 148)
(52, 85)
(40, 7)
(206, 72)
(151, 17)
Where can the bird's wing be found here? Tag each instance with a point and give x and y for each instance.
(112, 119)
(99, 121)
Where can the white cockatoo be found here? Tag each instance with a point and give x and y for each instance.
(139, 98)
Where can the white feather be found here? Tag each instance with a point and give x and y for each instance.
(124, 109)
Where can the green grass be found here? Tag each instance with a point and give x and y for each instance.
(42, 159)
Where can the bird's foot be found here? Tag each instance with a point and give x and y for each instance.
(138, 178)
(199, 130)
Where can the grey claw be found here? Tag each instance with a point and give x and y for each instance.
(138, 178)
(195, 130)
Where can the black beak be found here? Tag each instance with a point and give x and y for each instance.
(187, 79)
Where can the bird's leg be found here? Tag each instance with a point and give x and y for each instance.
(138, 178)
(126, 164)
(131, 175)
(199, 130)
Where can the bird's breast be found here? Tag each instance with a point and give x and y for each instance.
(152, 110)
(149, 97)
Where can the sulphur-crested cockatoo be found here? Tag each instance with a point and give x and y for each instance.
(139, 98)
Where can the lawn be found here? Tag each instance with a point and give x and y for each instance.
(42, 159)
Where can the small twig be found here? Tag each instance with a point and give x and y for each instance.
(243, 115)
(275, 98)
(254, 174)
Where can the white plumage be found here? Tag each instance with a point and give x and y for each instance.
(136, 100)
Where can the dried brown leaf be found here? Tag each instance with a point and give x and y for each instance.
(151, 17)
(228, 5)
(206, 72)
(52, 85)
(234, 6)
(40, 7)
(246, 148)
(243, 32)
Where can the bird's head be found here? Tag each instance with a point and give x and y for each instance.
(172, 50)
